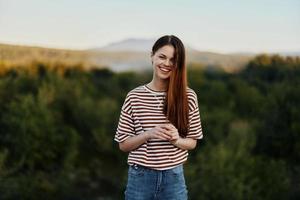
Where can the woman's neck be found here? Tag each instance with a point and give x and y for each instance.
(158, 85)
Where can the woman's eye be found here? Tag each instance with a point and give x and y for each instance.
(161, 57)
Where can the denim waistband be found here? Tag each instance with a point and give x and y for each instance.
(137, 166)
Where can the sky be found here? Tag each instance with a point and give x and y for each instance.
(224, 26)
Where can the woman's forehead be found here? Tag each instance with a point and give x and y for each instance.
(166, 50)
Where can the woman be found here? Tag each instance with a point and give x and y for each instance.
(159, 122)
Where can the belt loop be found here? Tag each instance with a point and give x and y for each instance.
(135, 166)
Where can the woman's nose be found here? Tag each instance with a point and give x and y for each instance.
(167, 62)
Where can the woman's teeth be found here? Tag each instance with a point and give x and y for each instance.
(164, 69)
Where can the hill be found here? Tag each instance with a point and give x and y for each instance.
(125, 55)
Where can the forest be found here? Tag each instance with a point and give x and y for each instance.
(57, 125)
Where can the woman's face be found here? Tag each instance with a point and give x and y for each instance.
(163, 61)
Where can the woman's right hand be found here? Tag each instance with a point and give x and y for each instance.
(161, 131)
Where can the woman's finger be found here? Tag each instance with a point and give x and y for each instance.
(165, 134)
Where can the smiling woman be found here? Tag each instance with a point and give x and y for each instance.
(163, 60)
(159, 123)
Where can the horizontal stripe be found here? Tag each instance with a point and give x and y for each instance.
(142, 110)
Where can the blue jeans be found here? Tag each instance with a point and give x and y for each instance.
(149, 184)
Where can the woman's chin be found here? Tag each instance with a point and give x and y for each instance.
(164, 76)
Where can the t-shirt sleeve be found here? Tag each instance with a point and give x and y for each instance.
(125, 127)
(195, 128)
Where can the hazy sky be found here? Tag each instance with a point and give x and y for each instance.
(221, 26)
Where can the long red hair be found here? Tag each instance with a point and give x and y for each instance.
(176, 101)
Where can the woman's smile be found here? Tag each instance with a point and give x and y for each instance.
(165, 69)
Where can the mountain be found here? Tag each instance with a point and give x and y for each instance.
(129, 54)
(131, 44)
(289, 53)
(134, 54)
(20, 55)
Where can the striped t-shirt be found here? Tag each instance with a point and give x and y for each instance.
(143, 110)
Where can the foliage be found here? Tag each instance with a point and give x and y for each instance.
(57, 125)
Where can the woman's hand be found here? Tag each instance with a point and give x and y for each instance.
(164, 132)
(182, 143)
(161, 131)
(173, 132)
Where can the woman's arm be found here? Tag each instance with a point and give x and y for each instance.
(164, 132)
(158, 132)
(182, 143)
(185, 143)
(133, 142)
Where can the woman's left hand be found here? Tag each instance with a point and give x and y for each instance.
(179, 142)
(173, 132)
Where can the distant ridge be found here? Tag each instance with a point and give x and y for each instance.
(129, 54)
(131, 44)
